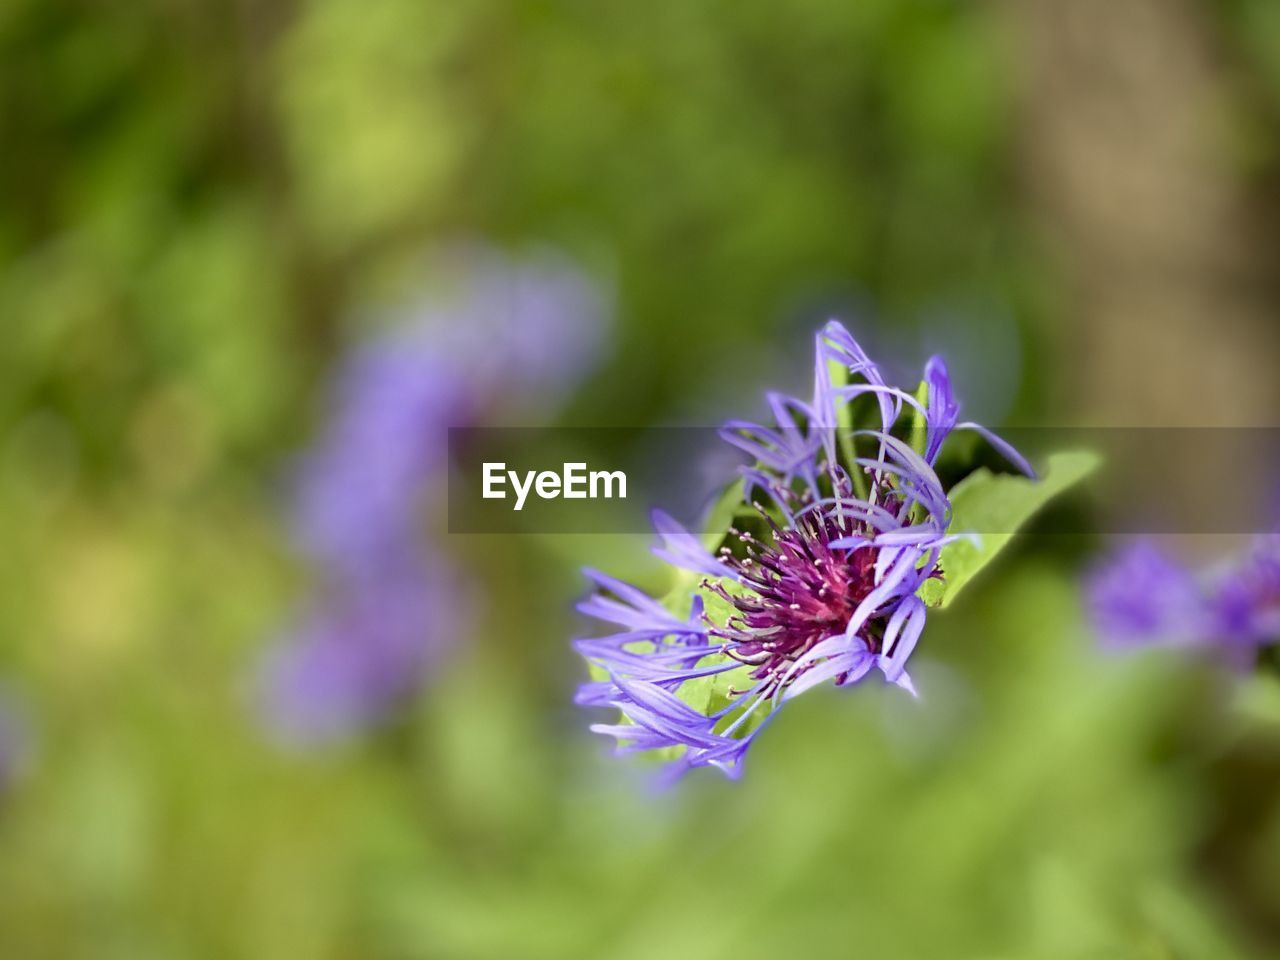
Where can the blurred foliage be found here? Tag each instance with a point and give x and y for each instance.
(199, 205)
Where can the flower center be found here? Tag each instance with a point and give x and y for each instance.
(799, 591)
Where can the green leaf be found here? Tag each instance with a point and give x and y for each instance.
(985, 502)
(919, 436)
(919, 424)
(839, 375)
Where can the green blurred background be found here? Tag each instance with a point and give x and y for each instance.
(199, 205)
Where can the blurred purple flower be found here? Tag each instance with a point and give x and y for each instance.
(827, 593)
(1142, 593)
(1141, 597)
(362, 649)
(514, 335)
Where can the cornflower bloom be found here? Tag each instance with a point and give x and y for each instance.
(1143, 597)
(823, 589)
(514, 334)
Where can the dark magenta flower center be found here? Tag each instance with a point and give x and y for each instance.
(799, 591)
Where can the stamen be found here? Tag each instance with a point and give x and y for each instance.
(779, 620)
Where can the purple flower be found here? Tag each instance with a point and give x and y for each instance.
(823, 589)
(682, 549)
(787, 450)
(513, 335)
(1142, 593)
(361, 650)
(1141, 596)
